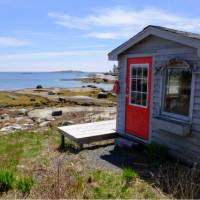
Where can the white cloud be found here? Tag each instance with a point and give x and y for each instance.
(9, 41)
(119, 22)
(107, 35)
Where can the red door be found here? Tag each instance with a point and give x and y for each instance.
(138, 96)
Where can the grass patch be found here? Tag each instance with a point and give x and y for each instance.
(109, 186)
(10, 99)
(91, 92)
(30, 153)
(24, 147)
(129, 174)
(25, 184)
(7, 180)
(97, 184)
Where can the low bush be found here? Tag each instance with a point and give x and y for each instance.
(129, 174)
(179, 181)
(25, 184)
(7, 180)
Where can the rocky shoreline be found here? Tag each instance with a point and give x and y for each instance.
(33, 109)
(100, 78)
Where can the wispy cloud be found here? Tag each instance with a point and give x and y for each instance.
(33, 33)
(10, 41)
(107, 35)
(121, 23)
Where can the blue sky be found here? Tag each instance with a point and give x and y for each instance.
(50, 35)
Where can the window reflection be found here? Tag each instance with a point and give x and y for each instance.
(177, 90)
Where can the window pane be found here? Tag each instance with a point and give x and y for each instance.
(133, 85)
(133, 72)
(139, 72)
(139, 82)
(144, 99)
(144, 85)
(144, 72)
(133, 97)
(177, 90)
(138, 98)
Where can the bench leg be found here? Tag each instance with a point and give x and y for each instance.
(62, 141)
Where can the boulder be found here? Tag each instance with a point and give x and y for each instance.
(51, 93)
(102, 95)
(11, 128)
(22, 111)
(27, 126)
(43, 124)
(18, 119)
(102, 90)
(39, 87)
(62, 100)
(66, 123)
(49, 118)
(4, 117)
(91, 86)
(56, 113)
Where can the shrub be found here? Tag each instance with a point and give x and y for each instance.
(7, 180)
(129, 174)
(180, 181)
(25, 184)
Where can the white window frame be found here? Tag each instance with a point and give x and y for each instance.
(146, 65)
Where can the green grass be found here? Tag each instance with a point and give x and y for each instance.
(91, 92)
(110, 185)
(33, 149)
(129, 174)
(25, 184)
(7, 180)
(24, 147)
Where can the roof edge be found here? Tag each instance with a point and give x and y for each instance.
(162, 32)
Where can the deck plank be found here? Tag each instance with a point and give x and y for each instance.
(84, 133)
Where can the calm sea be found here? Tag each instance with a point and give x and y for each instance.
(20, 80)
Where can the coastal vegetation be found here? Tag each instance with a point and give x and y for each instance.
(13, 99)
(49, 97)
(34, 166)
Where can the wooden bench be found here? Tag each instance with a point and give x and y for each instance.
(89, 132)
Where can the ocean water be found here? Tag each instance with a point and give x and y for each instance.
(22, 80)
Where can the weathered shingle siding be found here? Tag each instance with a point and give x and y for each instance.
(187, 148)
(163, 50)
(121, 96)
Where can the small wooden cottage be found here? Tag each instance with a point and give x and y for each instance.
(159, 89)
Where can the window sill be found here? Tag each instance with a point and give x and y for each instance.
(171, 125)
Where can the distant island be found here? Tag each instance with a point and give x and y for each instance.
(69, 71)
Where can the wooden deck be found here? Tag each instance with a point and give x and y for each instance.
(90, 132)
